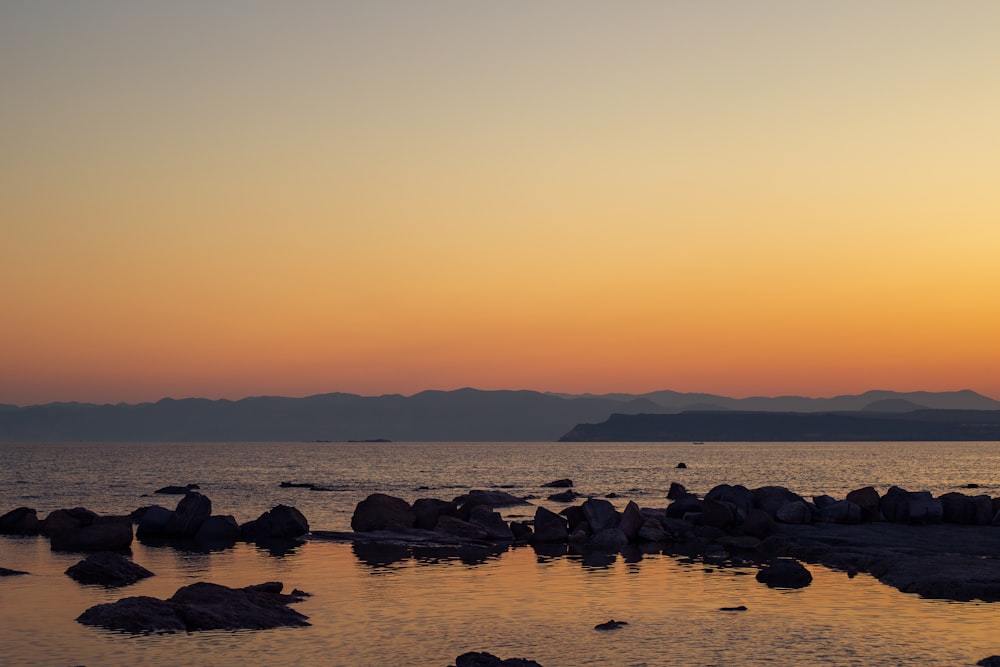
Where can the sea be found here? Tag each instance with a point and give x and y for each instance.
(425, 611)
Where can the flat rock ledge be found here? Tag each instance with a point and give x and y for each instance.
(200, 606)
(484, 659)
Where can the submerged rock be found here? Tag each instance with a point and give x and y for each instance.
(4, 572)
(784, 573)
(105, 568)
(564, 483)
(610, 625)
(200, 606)
(483, 659)
(177, 490)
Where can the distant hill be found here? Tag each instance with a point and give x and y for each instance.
(464, 414)
(920, 425)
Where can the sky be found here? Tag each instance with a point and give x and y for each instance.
(240, 198)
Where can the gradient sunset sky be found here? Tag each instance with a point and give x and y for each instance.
(235, 198)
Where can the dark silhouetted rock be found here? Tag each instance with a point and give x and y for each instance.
(483, 659)
(610, 625)
(822, 501)
(567, 496)
(5, 572)
(574, 516)
(494, 525)
(840, 511)
(631, 521)
(784, 573)
(175, 490)
(759, 524)
(676, 491)
(716, 514)
(63, 519)
(427, 511)
(738, 498)
(152, 521)
(685, 504)
(963, 509)
(106, 568)
(797, 512)
(867, 499)
(609, 540)
(382, 512)
(916, 507)
(550, 527)
(772, 498)
(600, 514)
(20, 521)
(200, 606)
(682, 465)
(218, 531)
(522, 531)
(105, 533)
(450, 525)
(739, 608)
(559, 484)
(187, 518)
(992, 661)
(489, 498)
(281, 522)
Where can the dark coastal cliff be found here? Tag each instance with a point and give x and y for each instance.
(919, 425)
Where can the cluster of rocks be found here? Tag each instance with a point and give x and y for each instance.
(201, 606)
(484, 659)
(192, 521)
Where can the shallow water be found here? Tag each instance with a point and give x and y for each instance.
(426, 612)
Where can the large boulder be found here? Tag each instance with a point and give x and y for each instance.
(64, 519)
(772, 498)
(795, 512)
(676, 491)
(687, 503)
(608, 540)
(963, 509)
(483, 659)
(382, 512)
(200, 606)
(20, 521)
(784, 573)
(759, 524)
(152, 521)
(867, 499)
(840, 511)
(716, 514)
(600, 514)
(109, 569)
(218, 531)
(738, 498)
(549, 527)
(631, 521)
(105, 533)
(456, 527)
(281, 522)
(916, 507)
(494, 525)
(652, 530)
(187, 518)
(427, 511)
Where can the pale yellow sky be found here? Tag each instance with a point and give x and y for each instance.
(261, 198)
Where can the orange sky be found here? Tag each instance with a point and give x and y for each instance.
(736, 198)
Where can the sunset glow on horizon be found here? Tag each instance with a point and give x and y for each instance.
(248, 198)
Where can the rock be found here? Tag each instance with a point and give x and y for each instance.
(610, 625)
(489, 498)
(963, 509)
(494, 525)
(653, 531)
(550, 527)
(218, 531)
(784, 573)
(840, 511)
(382, 512)
(631, 521)
(522, 531)
(574, 515)
(681, 465)
(716, 514)
(823, 501)
(567, 496)
(281, 522)
(772, 498)
(20, 521)
(484, 659)
(738, 498)
(106, 533)
(175, 490)
(427, 511)
(676, 491)
(685, 504)
(187, 518)
(559, 484)
(109, 569)
(992, 661)
(739, 608)
(600, 514)
(4, 572)
(759, 524)
(153, 521)
(796, 512)
(450, 525)
(924, 508)
(200, 606)
(867, 499)
(609, 540)
(63, 519)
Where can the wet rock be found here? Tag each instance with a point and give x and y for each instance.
(609, 540)
(20, 521)
(559, 484)
(427, 511)
(483, 659)
(574, 515)
(550, 527)
(176, 490)
(867, 499)
(494, 525)
(200, 606)
(600, 514)
(567, 496)
(105, 568)
(105, 533)
(797, 512)
(631, 521)
(653, 531)
(381, 512)
(716, 514)
(610, 625)
(187, 518)
(784, 573)
(522, 531)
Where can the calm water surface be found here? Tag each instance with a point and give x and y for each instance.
(422, 612)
